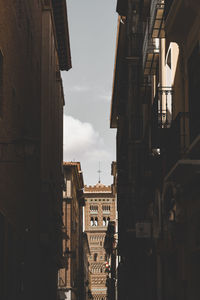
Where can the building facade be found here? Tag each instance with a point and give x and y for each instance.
(154, 108)
(86, 273)
(34, 47)
(100, 208)
(71, 275)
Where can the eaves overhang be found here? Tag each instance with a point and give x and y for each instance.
(119, 54)
(62, 34)
(122, 7)
(78, 175)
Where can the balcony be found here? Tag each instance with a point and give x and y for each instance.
(170, 139)
(161, 115)
(156, 23)
(150, 52)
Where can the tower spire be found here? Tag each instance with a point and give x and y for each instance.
(99, 171)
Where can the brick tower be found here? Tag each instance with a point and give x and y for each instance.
(100, 208)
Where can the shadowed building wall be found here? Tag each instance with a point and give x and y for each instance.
(31, 118)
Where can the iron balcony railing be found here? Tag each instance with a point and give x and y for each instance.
(161, 117)
(156, 22)
(163, 106)
(150, 52)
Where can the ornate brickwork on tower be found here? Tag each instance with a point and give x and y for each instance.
(100, 208)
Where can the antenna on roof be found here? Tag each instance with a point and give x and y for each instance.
(99, 171)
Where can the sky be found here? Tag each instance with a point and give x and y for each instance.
(88, 88)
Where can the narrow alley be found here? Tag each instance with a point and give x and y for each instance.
(99, 150)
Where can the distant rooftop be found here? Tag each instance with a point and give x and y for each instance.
(98, 188)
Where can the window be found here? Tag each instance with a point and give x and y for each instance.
(95, 256)
(92, 221)
(68, 189)
(106, 208)
(96, 222)
(104, 221)
(108, 220)
(94, 208)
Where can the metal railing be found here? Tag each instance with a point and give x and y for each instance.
(156, 18)
(162, 107)
(149, 49)
(161, 117)
(165, 106)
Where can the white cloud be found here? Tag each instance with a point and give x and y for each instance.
(79, 88)
(106, 97)
(82, 142)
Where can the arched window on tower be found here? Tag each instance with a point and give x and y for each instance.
(108, 220)
(91, 221)
(104, 221)
(95, 256)
(96, 221)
